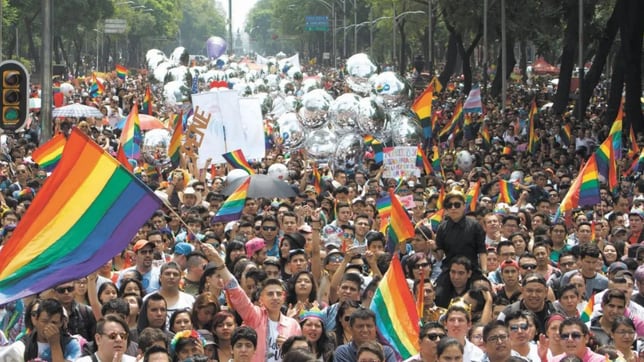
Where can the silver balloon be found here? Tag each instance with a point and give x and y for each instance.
(289, 132)
(156, 139)
(349, 152)
(405, 128)
(393, 88)
(310, 84)
(360, 68)
(315, 105)
(361, 65)
(344, 112)
(373, 119)
(321, 144)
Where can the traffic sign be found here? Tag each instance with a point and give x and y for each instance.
(316, 23)
(115, 26)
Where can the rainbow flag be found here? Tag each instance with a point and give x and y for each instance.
(421, 160)
(122, 158)
(441, 197)
(88, 211)
(396, 315)
(232, 208)
(588, 309)
(485, 135)
(48, 155)
(436, 161)
(148, 103)
(317, 179)
(420, 295)
(507, 151)
(174, 148)
(532, 136)
(96, 88)
(589, 189)
(376, 146)
(131, 136)
(636, 166)
(121, 71)
(472, 197)
(635, 148)
(506, 192)
(435, 219)
(436, 85)
(451, 126)
(383, 205)
(237, 159)
(422, 106)
(400, 226)
(565, 134)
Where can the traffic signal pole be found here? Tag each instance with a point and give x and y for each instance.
(46, 128)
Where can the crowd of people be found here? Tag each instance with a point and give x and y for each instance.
(293, 279)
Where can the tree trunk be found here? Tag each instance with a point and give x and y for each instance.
(603, 49)
(451, 57)
(33, 52)
(567, 59)
(616, 87)
(631, 34)
(466, 54)
(500, 72)
(523, 64)
(403, 48)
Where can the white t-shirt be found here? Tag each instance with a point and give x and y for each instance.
(272, 349)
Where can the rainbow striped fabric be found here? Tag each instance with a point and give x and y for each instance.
(237, 159)
(485, 135)
(148, 104)
(588, 309)
(174, 148)
(472, 197)
(435, 219)
(454, 122)
(131, 136)
(506, 193)
(48, 155)
(401, 227)
(88, 211)
(532, 136)
(565, 134)
(421, 160)
(96, 87)
(396, 315)
(121, 71)
(232, 208)
(422, 106)
(317, 179)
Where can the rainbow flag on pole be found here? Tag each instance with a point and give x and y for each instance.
(237, 159)
(396, 315)
(400, 226)
(131, 136)
(174, 148)
(121, 71)
(532, 136)
(506, 192)
(232, 208)
(48, 155)
(588, 309)
(88, 211)
(421, 160)
(148, 104)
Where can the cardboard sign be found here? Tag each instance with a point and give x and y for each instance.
(400, 161)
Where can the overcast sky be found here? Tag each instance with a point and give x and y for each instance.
(240, 11)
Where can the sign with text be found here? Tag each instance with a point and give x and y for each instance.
(400, 161)
(316, 23)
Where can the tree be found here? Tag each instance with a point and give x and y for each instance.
(200, 20)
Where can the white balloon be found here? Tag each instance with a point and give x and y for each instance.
(464, 160)
(235, 175)
(278, 171)
(67, 89)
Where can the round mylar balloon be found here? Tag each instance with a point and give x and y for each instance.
(344, 112)
(315, 105)
(215, 47)
(349, 152)
(235, 174)
(289, 131)
(405, 128)
(67, 89)
(320, 145)
(393, 88)
(156, 138)
(373, 119)
(361, 65)
(278, 171)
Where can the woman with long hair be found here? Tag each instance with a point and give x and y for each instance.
(342, 330)
(623, 334)
(180, 321)
(203, 311)
(223, 326)
(302, 291)
(315, 332)
(131, 285)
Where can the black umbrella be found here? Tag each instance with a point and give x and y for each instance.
(262, 186)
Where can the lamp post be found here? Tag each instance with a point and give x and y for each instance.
(581, 60)
(504, 61)
(355, 29)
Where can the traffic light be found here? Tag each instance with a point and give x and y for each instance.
(15, 96)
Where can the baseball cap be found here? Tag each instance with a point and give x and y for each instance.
(332, 241)
(616, 266)
(142, 244)
(254, 245)
(305, 229)
(183, 248)
(507, 263)
(310, 188)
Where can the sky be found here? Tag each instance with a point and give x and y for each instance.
(240, 11)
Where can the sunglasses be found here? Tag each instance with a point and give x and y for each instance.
(528, 266)
(62, 290)
(573, 335)
(269, 228)
(453, 205)
(200, 189)
(522, 326)
(421, 265)
(115, 335)
(435, 336)
(336, 258)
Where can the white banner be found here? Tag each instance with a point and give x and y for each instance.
(230, 128)
(294, 60)
(399, 161)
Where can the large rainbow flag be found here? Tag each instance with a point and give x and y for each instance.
(237, 159)
(422, 106)
(453, 123)
(232, 208)
(88, 211)
(121, 71)
(396, 315)
(174, 148)
(131, 136)
(401, 227)
(48, 155)
(584, 191)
